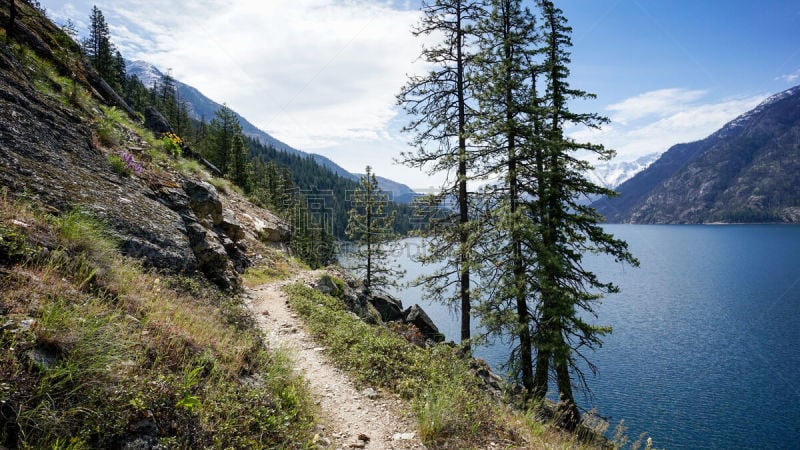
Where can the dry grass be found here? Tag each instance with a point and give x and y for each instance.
(93, 343)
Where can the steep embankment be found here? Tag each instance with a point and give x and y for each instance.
(65, 137)
(748, 171)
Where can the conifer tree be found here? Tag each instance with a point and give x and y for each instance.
(535, 225)
(218, 144)
(502, 81)
(240, 168)
(98, 46)
(439, 104)
(371, 229)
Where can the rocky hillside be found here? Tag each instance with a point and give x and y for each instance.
(69, 142)
(748, 171)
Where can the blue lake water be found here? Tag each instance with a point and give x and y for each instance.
(705, 351)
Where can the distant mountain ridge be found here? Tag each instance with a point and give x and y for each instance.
(201, 106)
(748, 171)
(613, 173)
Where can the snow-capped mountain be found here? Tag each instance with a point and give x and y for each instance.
(613, 173)
(747, 171)
(147, 73)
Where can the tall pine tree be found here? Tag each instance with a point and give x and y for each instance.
(99, 49)
(218, 145)
(502, 81)
(371, 229)
(439, 104)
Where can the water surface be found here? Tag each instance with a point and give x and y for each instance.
(704, 352)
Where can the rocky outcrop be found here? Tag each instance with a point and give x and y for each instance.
(390, 308)
(378, 307)
(417, 316)
(215, 235)
(204, 201)
(268, 228)
(155, 121)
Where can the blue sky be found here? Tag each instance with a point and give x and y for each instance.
(322, 74)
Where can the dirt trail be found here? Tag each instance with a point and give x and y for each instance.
(348, 414)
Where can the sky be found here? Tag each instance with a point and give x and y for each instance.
(322, 75)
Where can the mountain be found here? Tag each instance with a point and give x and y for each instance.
(613, 173)
(748, 171)
(201, 106)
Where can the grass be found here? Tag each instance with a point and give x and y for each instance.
(112, 344)
(192, 167)
(451, 406)
(225, 186)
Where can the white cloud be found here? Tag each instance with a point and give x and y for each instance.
(654, 121)
(653, 103)
(312, 72)
(790, 78)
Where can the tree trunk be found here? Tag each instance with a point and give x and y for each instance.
(569, 415)
(12, 19)
(463, 203)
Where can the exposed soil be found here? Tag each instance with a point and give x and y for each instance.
(348, 414)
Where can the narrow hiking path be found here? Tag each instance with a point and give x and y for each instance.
(351, 418)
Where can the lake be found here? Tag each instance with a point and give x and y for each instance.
(704, 352)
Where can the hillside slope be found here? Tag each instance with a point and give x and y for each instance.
(64, 143)
(748, 171)
(201, 106)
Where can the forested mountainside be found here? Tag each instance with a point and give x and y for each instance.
(748, 171)
(200, 107)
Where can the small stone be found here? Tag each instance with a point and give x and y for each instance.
(403, 436)
(363, 437)
(357, 445)
(370, 393)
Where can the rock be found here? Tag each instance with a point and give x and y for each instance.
(390, 308)
(403, 436)
(44, 356)
(358, 444)
(370, 393)
(174, 257)
(141, 443)
(328, 285)
(491, 382)
(416, 316)
(211, 256)
(231, 227)
(204, 200)
(269, 228)
(155, 121)
(358, 304)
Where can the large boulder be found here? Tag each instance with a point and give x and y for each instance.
(416, 316)
(204, 200)
(211, 256)
(390, 308)
(231, 227)
(268, 227)
(155, 121)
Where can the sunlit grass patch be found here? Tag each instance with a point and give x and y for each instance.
(95, 343)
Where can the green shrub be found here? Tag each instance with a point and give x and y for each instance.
(106, 126)
(171, 144)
